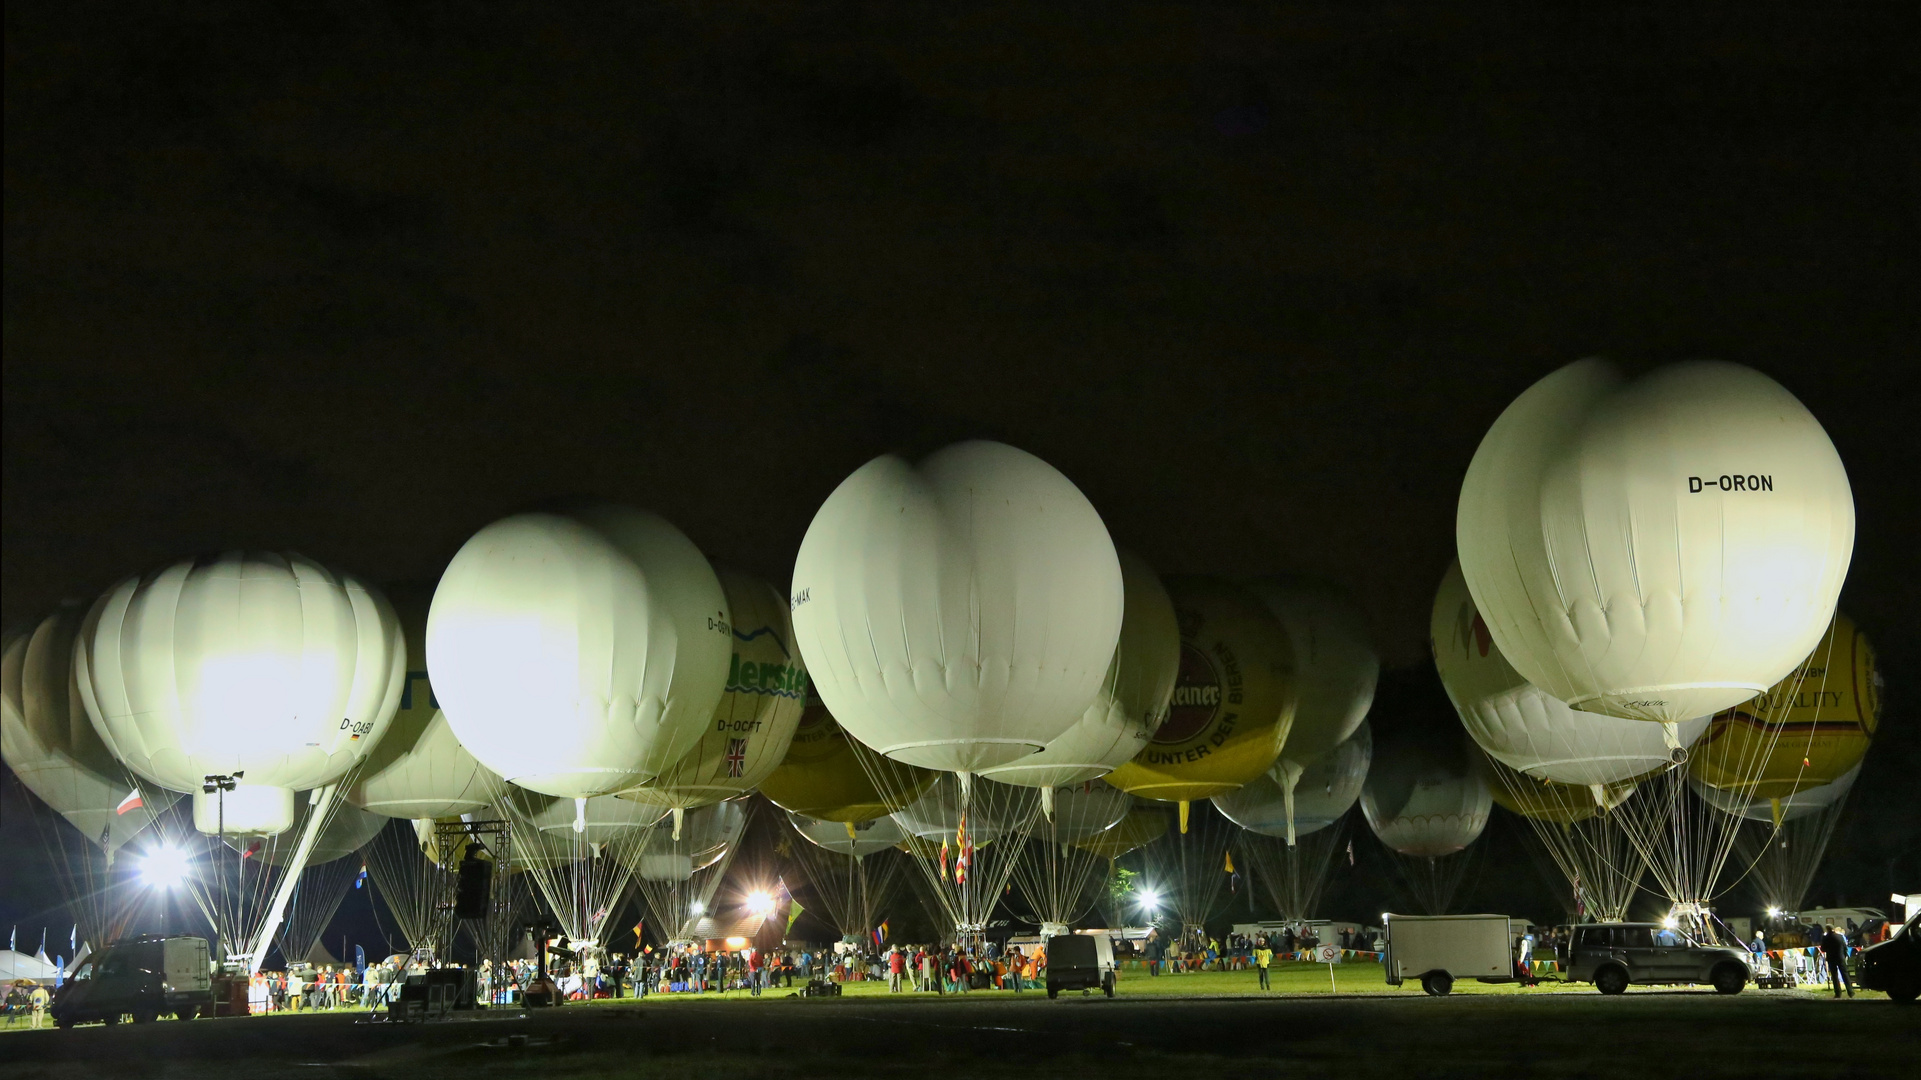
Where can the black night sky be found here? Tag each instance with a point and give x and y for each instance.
(357, 279)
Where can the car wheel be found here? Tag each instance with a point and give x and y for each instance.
(1439, 984)
(1611, 980)
(1729, 979)
(1053, 991)
(110, 1019)
(1905, 994)
(64, 1023)
(1107, 984)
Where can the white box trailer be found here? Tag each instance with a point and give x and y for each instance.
(1438, 949)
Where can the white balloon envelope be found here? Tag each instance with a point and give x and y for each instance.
(857, 839)
(1335, 666)
(420, 770)
(268, 668)
(1325, 790)
(759, 711)
(51, 746)
(993, 809)
(1423, 799)
(959, 615)
(1083, 810)
(1528, 730)
(578, 655)
(1659, 549)
(1133, 698)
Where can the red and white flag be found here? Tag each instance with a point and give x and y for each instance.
(131, 802)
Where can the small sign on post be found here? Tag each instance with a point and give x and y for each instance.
(1329, 955)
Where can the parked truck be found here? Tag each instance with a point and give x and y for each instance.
(1438, 949)
(144, 978)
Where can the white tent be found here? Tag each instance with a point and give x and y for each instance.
(18, 965)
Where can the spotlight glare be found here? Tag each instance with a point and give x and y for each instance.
(164, 867)
(759, 903)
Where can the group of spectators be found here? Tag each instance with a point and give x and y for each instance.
(1195, 951)
(28, 1000)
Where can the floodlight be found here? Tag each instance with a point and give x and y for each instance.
(759, 903)
(164, 867)
(1150, 898)
(1669, 922)
(697, 907)
(1774, 913)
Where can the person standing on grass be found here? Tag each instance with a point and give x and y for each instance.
(1835, 948)
(896, 967)
(1263, 959)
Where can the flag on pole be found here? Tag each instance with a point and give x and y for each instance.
(131, 802)
(638, 928)
(965, 859)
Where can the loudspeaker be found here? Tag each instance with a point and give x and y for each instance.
(472, 889)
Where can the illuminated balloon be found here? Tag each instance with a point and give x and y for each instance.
(1233, 700)
(420, 770)
(1525, 729)
(579, 655)
(1133, 832)
(1807, 731)
(267, 668)
(51, 746)
(1659, 549)
(849, 838)
(1424, 798)
(760, 708)
(1335, 666)
(1324, 792)
(1133, 698)
(600, 820)
(707, 834)
(959, 615)
(822, 775)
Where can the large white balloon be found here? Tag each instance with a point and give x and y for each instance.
(1324, 791)
(1659, 549)
(759, 710)
(1335, 666)
(420, 770)
(1528, 730)
(707, 833)
(959, 615)
(51, 746)
(1423, 798)
(347, 831)
(857, 839)
(266, 667)
(1133, 698)
(579, 655)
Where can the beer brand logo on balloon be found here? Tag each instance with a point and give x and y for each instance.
(1750, 482)
(1197, 698)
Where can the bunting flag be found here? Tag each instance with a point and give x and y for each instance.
(638, 928)
(793, 912)
(131, 802)
(943, 858)
(1229, 868)
(361, 878)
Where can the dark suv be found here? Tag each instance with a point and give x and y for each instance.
(1613, 955)
(1894, 966)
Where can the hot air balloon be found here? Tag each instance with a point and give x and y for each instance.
(1807, 731)
(1322, 795)
(579, 655)
(268, 669)
(420, 770)
(1659, 549)
(1335, 667)
(823, 776)
(1526, 729)
(678, 876)
(51, 746)
(759, 709)
(1233, 701)
(1133, 699)
(961, 614)
(1426, 802)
